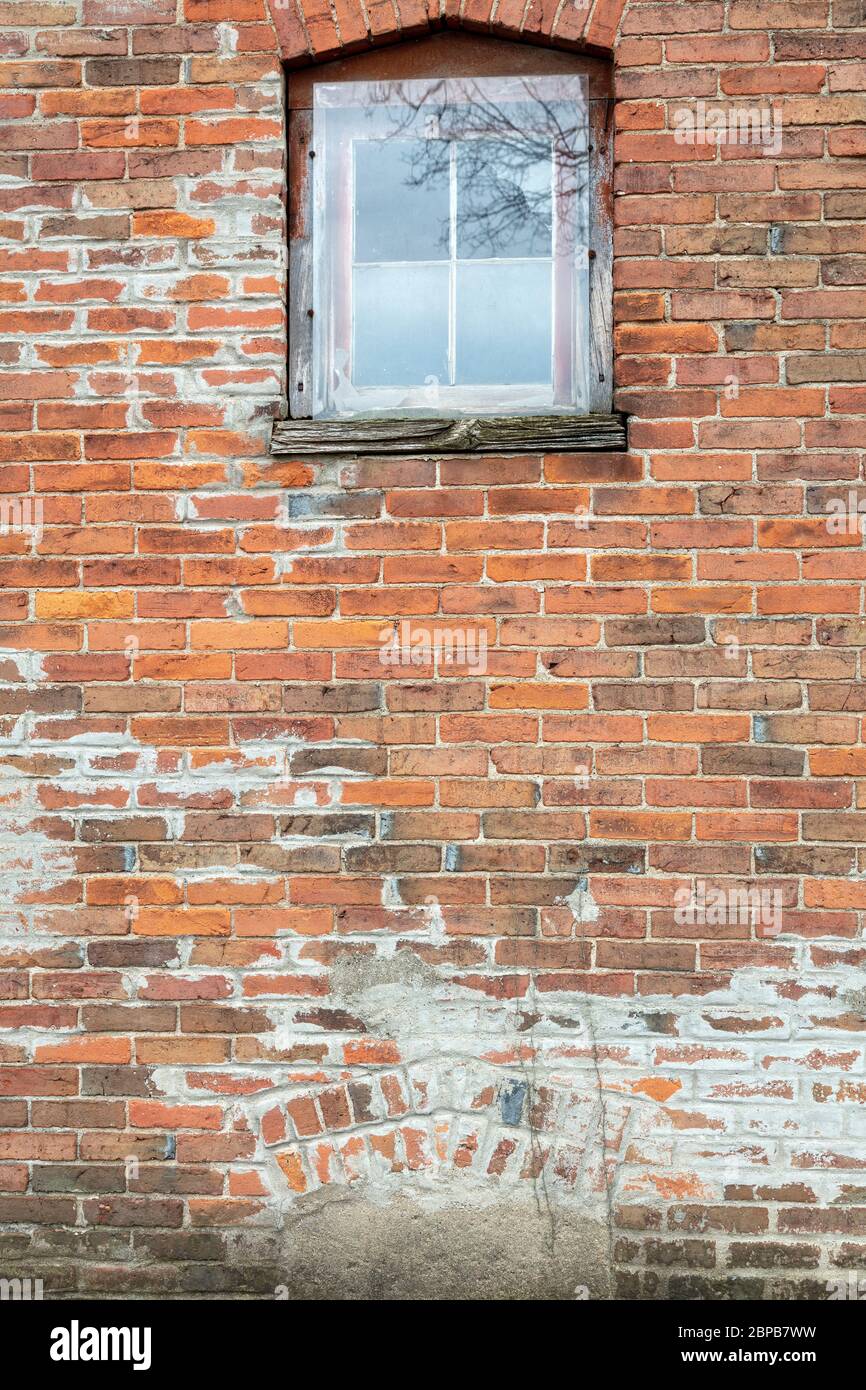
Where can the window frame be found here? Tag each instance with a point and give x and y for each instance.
(450, 54)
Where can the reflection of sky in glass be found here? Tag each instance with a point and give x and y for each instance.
(504, 199)
(502, 205)
(449, 204)
(399, 216)
(401, 324)
(503, 323)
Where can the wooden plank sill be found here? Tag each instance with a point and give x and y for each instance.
(483, 434)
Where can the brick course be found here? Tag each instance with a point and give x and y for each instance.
(278, 917)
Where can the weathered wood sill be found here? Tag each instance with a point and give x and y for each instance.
(483, 434)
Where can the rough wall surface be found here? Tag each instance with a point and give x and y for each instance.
(322, 975)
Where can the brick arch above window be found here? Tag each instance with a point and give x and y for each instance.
(316, 30)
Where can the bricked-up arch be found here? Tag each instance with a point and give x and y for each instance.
(316, 30)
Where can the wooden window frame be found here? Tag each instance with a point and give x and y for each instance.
(449, 54)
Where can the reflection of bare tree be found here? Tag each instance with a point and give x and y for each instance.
(513, 158)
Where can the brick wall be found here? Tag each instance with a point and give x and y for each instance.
(291, 938)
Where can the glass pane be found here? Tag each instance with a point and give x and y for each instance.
(503, 323)
(450, 273)
(504, 194)
(401, 200)
(401, 325)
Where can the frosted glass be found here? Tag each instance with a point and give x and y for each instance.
(401, 325)
(503, 323)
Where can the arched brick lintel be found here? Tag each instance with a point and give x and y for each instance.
(311, 31)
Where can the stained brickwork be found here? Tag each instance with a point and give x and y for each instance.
(280, 917)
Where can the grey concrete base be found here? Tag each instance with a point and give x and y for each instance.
(346, 1247)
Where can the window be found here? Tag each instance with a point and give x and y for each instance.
(450, 244)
